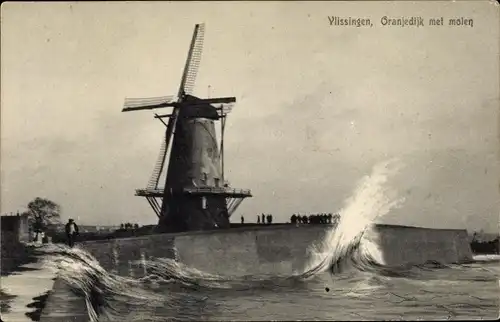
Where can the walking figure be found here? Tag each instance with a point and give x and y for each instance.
(71, 232)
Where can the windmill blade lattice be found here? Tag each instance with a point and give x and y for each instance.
(148, 101)
(160, 163)
(193, 61)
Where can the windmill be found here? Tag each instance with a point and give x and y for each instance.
(196, 195)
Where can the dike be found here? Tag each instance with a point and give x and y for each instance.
(262, 250)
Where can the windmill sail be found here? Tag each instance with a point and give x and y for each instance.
(135, 104)
(193, 61)
(160, 163)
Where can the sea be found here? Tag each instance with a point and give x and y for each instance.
(345, 278)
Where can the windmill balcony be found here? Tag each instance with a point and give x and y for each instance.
(225, 191)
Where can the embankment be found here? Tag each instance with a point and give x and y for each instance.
(274, 249)
(280, 250)
(413, 245)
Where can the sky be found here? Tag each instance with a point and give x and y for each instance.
(317, 105)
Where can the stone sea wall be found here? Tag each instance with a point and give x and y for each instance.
(274, 250)
(277, 250)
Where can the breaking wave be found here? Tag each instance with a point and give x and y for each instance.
(352, 244)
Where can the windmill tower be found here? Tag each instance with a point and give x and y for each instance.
(195, 195)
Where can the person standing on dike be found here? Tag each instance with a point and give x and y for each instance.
(71, 232)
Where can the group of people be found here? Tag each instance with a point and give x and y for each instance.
(315, 219)
(261, 219)
(265, 218)
(322, 218)
(129, 226)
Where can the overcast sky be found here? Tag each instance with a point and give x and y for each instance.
(317, 105)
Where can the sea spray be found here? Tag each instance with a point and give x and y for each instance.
(371, 199)
(101, 290)
(110, 297)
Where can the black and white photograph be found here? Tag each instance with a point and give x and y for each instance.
(250, 161)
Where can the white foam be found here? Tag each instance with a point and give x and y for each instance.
(372, 199)
(486, 258)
